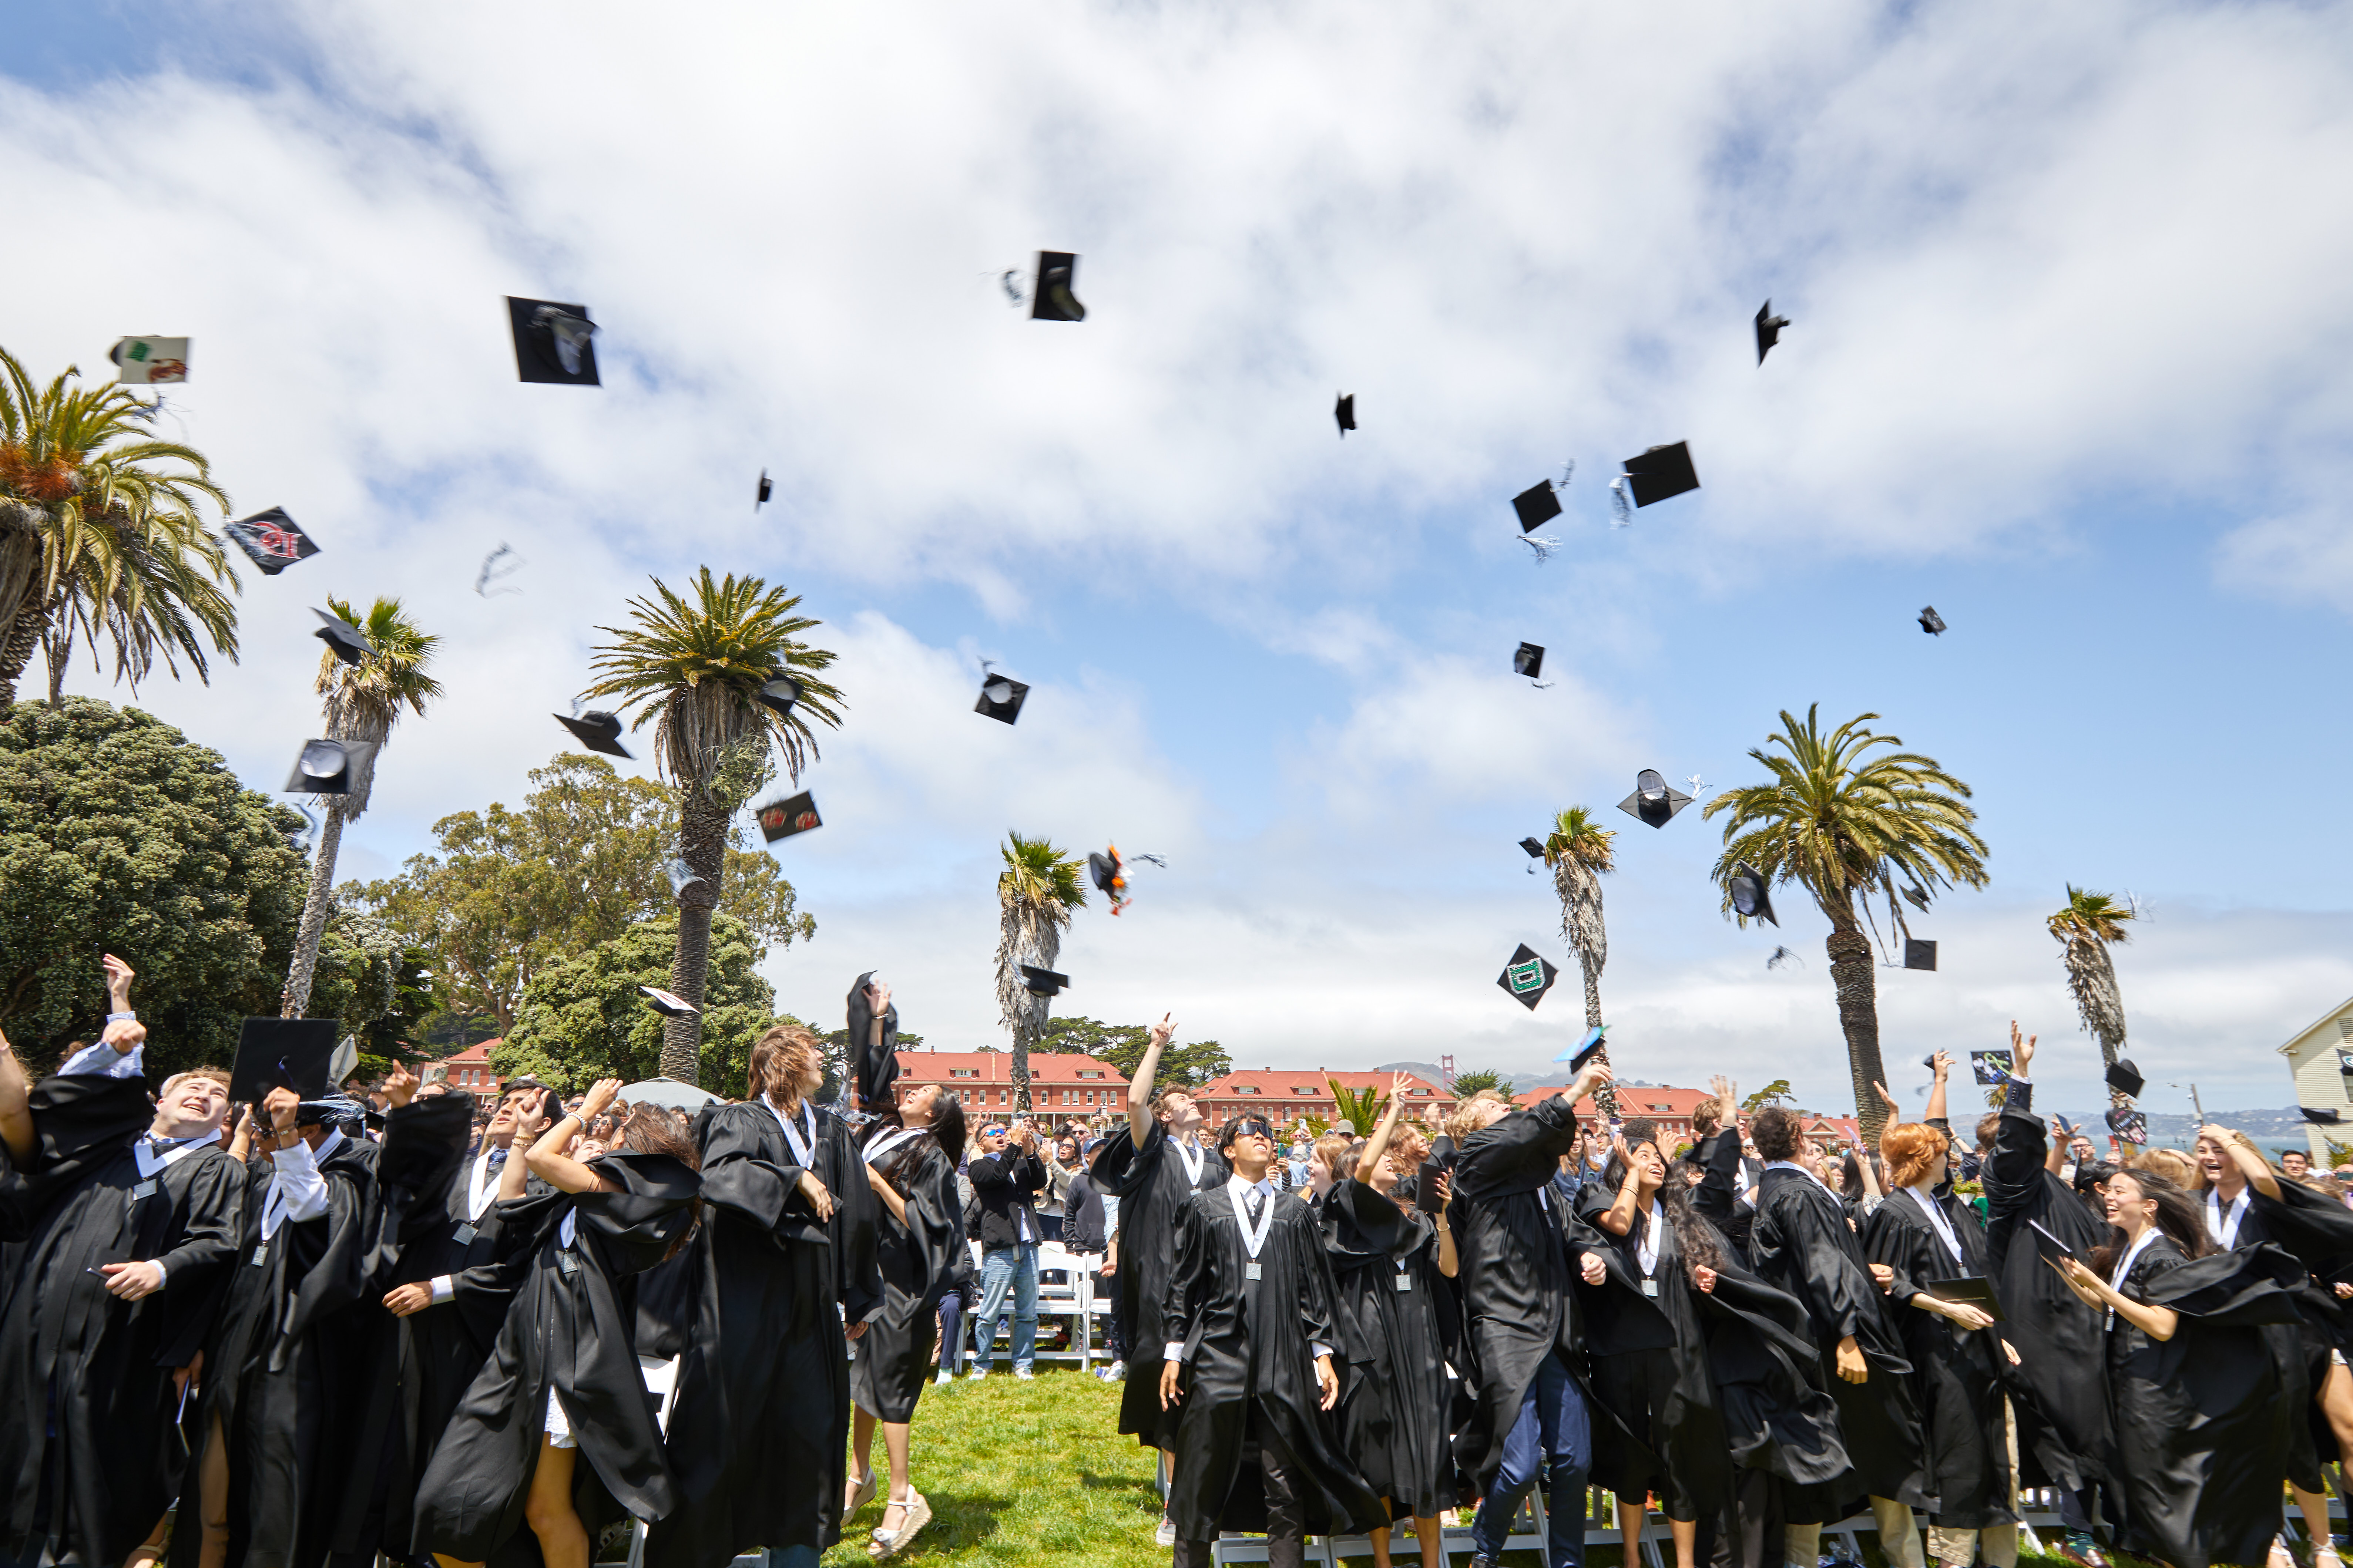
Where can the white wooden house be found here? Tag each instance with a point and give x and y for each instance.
(2320, 1059)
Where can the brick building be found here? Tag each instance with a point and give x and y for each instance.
(471, 1071)
(1063, 1086)
(1283, 1095)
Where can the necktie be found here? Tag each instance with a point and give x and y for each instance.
(1257, 1202)
(497, 1158)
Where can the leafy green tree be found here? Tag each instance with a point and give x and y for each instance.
(1038, 890)
(1467, 1084)
(507, 891)
(380, 986)
(1121, 1046)
(118, 836)
(1771, 1094)
(582, 1017)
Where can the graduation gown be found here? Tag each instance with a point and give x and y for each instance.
(763, 1382)
(1397, 1340)
(2205, 1422)
(1801, 1243)
(1152, 1182)
(1956, 1377)
(918, 1260)
(1716, 1191)
(569, 1333)
(1248, 1354)
(102, 1463)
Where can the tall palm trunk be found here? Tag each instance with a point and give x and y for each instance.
(20, 567)
(2091, 976)
(1588, 935)
(1852, 976)
(703, 843)
(308, 934)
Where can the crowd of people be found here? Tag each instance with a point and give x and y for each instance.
(319, 1329)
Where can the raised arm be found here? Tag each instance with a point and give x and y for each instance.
(2158, 1322)
(1139, 1088)
(2252, 1165)
(1375, 1151)
(547, 1158)
(1941, 1064)
(1619, 1217)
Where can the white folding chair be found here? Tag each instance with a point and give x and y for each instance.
(1062, 1294)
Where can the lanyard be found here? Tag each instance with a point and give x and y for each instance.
(150, 1161)
(1194, 1157)
(1252, 1239)
(802, 1147)
(2124, 1267)
(1935, 1213)
(1647, 1247)
(2225, 1232)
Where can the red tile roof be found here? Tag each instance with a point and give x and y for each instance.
(1285, 1084)
(1059, 1068)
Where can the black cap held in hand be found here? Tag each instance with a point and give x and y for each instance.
(281, 1053)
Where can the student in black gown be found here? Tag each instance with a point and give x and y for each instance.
(2206, 1412)
(563, 1381)
(1246, 1369)
(1801, 1241)
(910, 1165)
(132, 1213)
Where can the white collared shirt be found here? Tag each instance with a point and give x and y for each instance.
(102, 1061)
(2124, 1267)
(1926, 1199)
(801, 1138)
(1238, 1193)
(297, 1191)
(1793, 1166)
(2225, 1231)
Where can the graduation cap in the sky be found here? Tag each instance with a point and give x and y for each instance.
(1536, 505)
(1750, 899)
(1782, 955)
(1916, 897)
(783, 818)
(1528, 661)
(1527, 977)
(2319, 1117)
(328, 767)
(1109, 870)
(1000, 696)
(778, 693)
(1535, 853)
(1653, 800)
(149, 361)
(1344, 411)
(1931, 622)
(1043, 981)
(668, 1003)
(1657, 475)
(281, 1053)
(1768, 328)
(2125, 1080)
(272, 541)
(1052, 300)
(350, 643)
(760, 496)
(598, 730)
(553, 343)
(1992, 1068)
(1918, 954)
(1584, 1050)
(497, 568)
(2131, 1126)
(682, 876)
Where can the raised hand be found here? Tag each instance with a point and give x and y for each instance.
(2021, 1051)
(1164, 1030)
(599, 1100)
(400, 1084)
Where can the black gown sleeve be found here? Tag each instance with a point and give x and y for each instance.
(1520, 1152)
(2020, 1148)
(1826, 1280)
(737, 1175)
(1189, 1287)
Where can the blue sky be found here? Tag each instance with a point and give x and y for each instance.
(2067, 360)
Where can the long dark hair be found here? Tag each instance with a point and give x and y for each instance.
(2178, 1216)
(946, 1133)
(1694, 1237)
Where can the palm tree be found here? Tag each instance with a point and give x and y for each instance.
(1038, 890)
(98, 534)
(2085, 927)
(363, 702)
(707, 667)
(1578, 851)
(1842, 823)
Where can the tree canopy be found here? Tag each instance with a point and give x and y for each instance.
(1467, 1084)
(1182, 1066)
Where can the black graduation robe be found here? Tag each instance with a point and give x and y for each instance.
(113, 1463)
(570, 1332)
(1717, 1188)
(1248, 1354)
(1396, 1340)
(1800, 1242)
(2206, 1423)
(918, 1260)
(763, 1382)
(1956, 1377)
(1152, 1184)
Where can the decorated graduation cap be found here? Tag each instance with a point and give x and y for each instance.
(1768, 328)
(1918, 954)
(1527, 976)
(1931, 622)
(1658, 474)
(1584, 1050)
(553, 343)
(2131, 1126)
(1345, 412)
(328, 767)
(1052, 300)
(778, 693)
(597, 730)
(1751, 896)
(2319, 1116)
(1528, 660)
(1653, 800)
(669, 1004)
(1991, 1069)
(2125, 1080)
(149, 361)
(1043, 981)
(350, 643)
(1001, 696)
(1110, 875)
(281, 1053)
(271, 540)
(760, 496)
(783, 818)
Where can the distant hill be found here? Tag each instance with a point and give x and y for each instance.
(2283, 1127)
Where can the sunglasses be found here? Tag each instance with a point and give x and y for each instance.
(992, 1131)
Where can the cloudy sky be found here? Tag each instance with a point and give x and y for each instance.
(2073, 300)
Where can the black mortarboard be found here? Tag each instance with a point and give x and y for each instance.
(553, 342)
(871, 1069)
(2129, 1125)
(1534, 847)
(1052, 301)
(1916, 897)
(325, 767)
(760, 497)
(597, 730)
(1043, 981)
(350, 643)
(1001, 698)
(1584, 1050)
(1527, 977)
(1750, 895)
(2125, 1080)
(2320, 1117)
(1930, 621)
(1991, 1067)
(272, 540)
(1528, 661)
(783, 818)
(1661, 472)
(1344, 411)
(779, 692)
(1106, 872)
(281, 1053)
(1918, 954)
(669, 1004)
(1538, 505)
(1768, 328)
(1652, 801)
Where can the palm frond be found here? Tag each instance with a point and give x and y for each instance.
(364, 700)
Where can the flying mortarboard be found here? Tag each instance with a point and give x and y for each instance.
(1991, 1067)
(2125, 1080)
(272, 540)
(1536, 505)
(1918, 954)
(669, 1004)
(682, 876)
(1110, 874)
(1052, 300)
(1916, 897)
(779, 692)
(1750, 898)
(281, 1053)
(1527, 977)
(597, 730)
(1768, 328)
(552, 343)
(1001, 698)
(350, 643)
(1584, 1050)
(1344, 411)
(1652, 801)
(1782, 955)
(1931, 622)
(760, 496)
(1658, 474)
(1043, 981)
(346, 1059)
(2320, 1117)
(149, 362)
(2131, 1126)
(1535, 853)
(783, 818)
(1528, 661)
(326, 767)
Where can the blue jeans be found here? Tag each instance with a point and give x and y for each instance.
(1003, 1269)
(1553, 1427)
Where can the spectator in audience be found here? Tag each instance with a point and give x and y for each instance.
(1061, 1164)
(1006, 1177)
(2295, 1165)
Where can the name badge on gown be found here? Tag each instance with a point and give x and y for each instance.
(466, 1234)
(1405, 1281)
(1649, 1287)
(146, 1189)
(1251, 1271)
(261, 1255)
(567, 1262)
